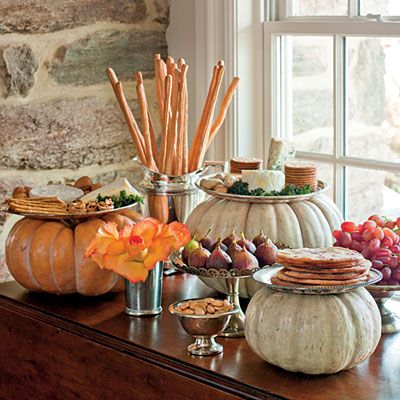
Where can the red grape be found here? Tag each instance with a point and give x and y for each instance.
(387, 273)
(385, 260)
(398, 222)
(378, 233)
(390, 224)
(369, 225)
(366, 253)
(395, 249)
(357, 236)
(377, 264)
(396, 240)
(378, 220)
(387, 242)
(374, 245)
(367, 235)
(345, 239)
(337, 234)
(396, 274)
(383, 253)
(389, 233)
(356, 246)
(349, 226)
(361, 228)
(394, 262)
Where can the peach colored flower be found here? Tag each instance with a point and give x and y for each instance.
(134, 250)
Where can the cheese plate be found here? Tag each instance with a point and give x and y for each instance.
(322, 187)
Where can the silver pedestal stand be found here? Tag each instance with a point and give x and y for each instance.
(235, 327)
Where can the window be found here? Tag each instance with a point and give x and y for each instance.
(333, 88)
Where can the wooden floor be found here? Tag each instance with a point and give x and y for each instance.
(70, 347)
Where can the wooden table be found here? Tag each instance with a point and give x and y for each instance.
(70, 347)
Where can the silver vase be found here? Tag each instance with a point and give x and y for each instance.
(144, 298)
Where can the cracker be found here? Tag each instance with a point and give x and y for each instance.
(317, 270)
(320, 257)
(320, 282)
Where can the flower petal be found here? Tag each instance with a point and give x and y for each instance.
(158, 251)
(110, 229)
(116, 247)
(132, 270)
(147, 229)
(178, 232)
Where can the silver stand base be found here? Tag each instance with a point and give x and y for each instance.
(205, 346)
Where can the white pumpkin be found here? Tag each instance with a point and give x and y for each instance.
(313, 334)
(297, 224)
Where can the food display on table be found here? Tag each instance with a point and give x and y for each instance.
(301, 174)
(378, 240)
(65, 201)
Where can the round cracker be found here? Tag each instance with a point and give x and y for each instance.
(317, 270)
(320, 282)
(330, 256)
(311, 275)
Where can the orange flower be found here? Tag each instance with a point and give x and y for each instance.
(135, 250)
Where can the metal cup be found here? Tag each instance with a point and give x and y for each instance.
(144, 298)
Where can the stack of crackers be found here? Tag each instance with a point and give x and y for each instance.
(248, 163)
(301, 174)
(333, 266)
(37, 205)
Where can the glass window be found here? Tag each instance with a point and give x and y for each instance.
(383, 7)
(319, 7)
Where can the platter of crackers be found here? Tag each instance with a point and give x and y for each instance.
(318, 271)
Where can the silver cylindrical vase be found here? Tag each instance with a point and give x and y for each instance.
(144, 298)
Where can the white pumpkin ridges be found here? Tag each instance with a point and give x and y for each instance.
(330, 211)
(196, 215)
(313, 334)
(261, 216)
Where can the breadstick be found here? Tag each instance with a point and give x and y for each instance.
(224, 108)
(159, 84)
(166, 119)
(205, 133)
(172, 132)
(153, 141)
(132, 124)
(181, 120)
(141, 96)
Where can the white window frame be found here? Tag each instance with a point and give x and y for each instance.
(338, 28)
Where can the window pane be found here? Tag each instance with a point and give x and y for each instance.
(319, 7)
(383, 7)
(308, 97)
(325, 173)
(372, 192)
(373, 98)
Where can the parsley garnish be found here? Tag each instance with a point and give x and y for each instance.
(122, 199)
(242, 188)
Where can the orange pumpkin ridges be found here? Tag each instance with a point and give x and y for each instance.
(44, 255)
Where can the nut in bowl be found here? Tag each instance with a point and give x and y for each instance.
(204, 319)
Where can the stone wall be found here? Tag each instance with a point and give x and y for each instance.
(58, 116)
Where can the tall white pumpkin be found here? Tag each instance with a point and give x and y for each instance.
(313, 334)
(307, 223)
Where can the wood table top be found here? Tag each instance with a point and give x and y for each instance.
(162, 341)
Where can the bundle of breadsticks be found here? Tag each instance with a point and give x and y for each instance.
(173, 157)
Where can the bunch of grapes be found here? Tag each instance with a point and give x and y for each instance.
(378, 240)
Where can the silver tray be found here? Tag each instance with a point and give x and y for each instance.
(322, 187)
(264, 276)
(65, 216)
(211, 272)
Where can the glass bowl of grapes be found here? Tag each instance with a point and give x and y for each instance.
(378, 240)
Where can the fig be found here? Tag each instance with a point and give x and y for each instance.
(219, 259)
(266, 253)
(206, 241)
(198, 258)
(248, 243)
(220, 244)
(260, 238)
(233, 249)
(229, 239)
(191, 245)
(244, 260)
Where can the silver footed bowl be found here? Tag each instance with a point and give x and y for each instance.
(204, 328)
(382, 295)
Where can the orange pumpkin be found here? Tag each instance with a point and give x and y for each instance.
(44, 255)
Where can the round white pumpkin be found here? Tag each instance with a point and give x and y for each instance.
(307, 223)
(313, 334)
